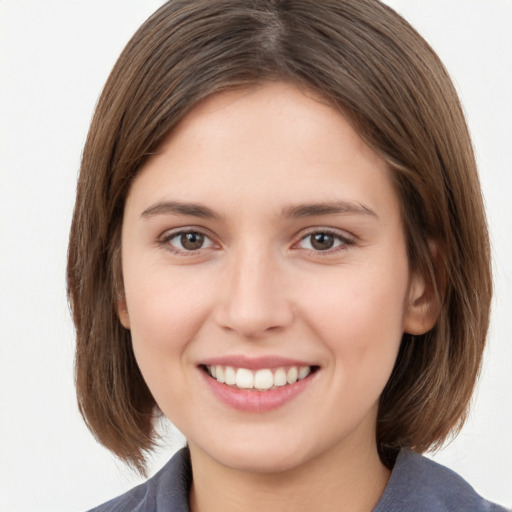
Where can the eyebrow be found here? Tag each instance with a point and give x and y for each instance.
(294, 211)
(179, 208)
(336, 207)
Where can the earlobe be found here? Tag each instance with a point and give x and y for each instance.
(121, 306)
(422, 309)
(122, 312)
(426, 295)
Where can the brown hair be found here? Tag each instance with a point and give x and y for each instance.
(384, 78)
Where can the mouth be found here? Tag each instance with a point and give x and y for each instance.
(260, 380)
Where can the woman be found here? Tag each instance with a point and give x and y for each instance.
(279, 243)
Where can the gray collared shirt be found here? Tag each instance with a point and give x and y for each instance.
(417, 484)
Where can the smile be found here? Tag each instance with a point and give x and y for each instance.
(257, 385)
(263, 379)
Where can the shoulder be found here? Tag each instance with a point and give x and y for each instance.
(421, 485)
(168, 490)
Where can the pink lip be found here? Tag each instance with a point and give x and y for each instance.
(254, 363)
(252, 400)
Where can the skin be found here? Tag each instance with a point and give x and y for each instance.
(258, 287)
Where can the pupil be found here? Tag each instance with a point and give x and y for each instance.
(322, 241)
(192, 241)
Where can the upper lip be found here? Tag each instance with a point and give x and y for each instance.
(254, 363)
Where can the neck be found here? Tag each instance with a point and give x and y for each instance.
(347, 480)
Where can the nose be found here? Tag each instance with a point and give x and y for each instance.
(253, 297)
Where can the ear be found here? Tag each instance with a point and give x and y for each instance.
(425, 301)
(122, 311)
(121, 306)
(422, 307)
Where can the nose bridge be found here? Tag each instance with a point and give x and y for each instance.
(254, 298)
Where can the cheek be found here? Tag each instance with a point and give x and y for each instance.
(360, 318)
(165, 315)
(164, 318)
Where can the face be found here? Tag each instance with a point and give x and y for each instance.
(266, 280)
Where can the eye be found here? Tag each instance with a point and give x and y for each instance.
(324, 241)
(187, 241)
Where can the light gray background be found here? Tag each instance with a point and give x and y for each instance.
(55, 57)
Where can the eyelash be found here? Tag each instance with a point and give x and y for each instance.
(344, 242)
(166, 241)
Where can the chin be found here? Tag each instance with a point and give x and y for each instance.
(260, 461)
(274, 456)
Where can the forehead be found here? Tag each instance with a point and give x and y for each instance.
(258, 112)
(271, 144)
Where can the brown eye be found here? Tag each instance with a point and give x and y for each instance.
(187, 241)
(322, 241)
(192, 241)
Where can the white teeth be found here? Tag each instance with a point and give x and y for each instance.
(291, 376)
(230, 376)
(260, 380)
(219, 371)
(263, 379)
(280, 377)
(304, 371)
(244, 378)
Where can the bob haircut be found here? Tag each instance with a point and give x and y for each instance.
(371, 65)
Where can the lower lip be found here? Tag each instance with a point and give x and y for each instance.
(253, 400)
